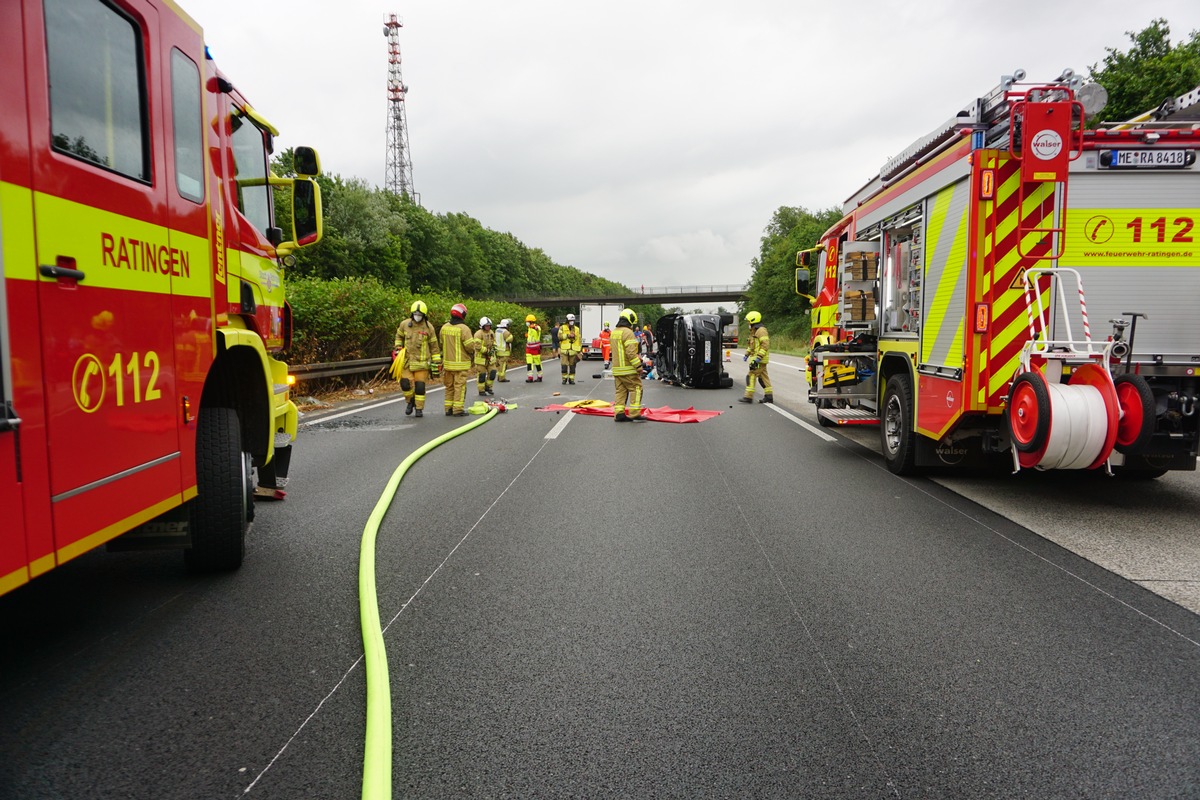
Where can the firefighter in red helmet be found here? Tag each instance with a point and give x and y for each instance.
(458, 346)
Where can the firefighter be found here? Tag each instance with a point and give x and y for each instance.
(758, 352)
(418, 339)
(571, 348)
(606, 345)
(504, 341)
(458, 346)
(485, 357)
(627, 369)
(533, 349)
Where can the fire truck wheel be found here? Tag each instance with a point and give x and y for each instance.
(896, 429)
(1137, 412)
(219, 512)
(822, 421)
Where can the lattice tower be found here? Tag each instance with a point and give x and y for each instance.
(397, 177)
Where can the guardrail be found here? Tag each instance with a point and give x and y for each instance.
(334, 369)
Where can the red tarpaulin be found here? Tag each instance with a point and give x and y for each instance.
(662, 414)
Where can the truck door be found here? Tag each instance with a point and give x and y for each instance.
(106, 264)
(13, 555)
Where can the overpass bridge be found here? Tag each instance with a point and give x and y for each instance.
(641, 295)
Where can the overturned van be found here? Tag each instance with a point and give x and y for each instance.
(689, 350)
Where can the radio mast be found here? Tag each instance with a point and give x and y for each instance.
(397, 177)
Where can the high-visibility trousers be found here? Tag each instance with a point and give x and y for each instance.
(413, 382)
(455, 381)
(628, 395)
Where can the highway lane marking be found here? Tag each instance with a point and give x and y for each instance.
(810, 428)
(562, 423)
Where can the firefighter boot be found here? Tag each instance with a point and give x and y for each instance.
(767, 398)
(620, 417)
(420, 413)
(745, 399)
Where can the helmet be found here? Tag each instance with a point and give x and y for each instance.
(570, 317)
(458, 310)
(530, 318)
(753, 317)
(485, 322)
(630, 315)
(504, 323)
(419, 307)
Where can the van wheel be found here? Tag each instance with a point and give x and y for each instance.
(220, 511)
(822, 421)
(896, 428)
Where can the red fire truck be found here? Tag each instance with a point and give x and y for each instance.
(141, 298)
(952, 300)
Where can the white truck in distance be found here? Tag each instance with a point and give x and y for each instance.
(592, 317)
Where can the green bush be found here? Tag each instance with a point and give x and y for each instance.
(350, 318)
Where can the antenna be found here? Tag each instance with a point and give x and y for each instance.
(397, 176)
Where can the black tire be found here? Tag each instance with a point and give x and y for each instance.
(897, 431)
(822, 421)
(1138, 468)
(1135, 386)
(224, 486)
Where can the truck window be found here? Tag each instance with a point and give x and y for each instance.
(250, 173)
(186, 130)
(97, 86)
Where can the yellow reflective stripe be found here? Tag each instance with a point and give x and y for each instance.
(16, 221)
(941, 338)
(13, 579)
(117, 252)
(101, 536)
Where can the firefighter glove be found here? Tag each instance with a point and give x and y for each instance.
(755, 363)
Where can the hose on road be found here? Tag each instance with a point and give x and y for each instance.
(377, 753)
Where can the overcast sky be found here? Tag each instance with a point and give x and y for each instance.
(647, 142)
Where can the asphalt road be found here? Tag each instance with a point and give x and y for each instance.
(582, 609)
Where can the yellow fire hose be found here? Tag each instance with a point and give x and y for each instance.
(377, 754)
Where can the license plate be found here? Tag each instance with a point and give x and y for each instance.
(1143, 159)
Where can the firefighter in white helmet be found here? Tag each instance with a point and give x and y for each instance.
(504, 340)
(418, 339)
(758, 353)
(570, 342)
(458, 345)
(626, 370)
(485, 357)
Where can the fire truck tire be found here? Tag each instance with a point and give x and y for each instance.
(1029, 412)
(1137, 413)
(220, 510)
(897, 431)
(822, 421)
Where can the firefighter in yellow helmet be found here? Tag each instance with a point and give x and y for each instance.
(418, 339)
(758, 353)
(626, 369)
(458, 346)
(570, 342)
(504, 340)
(485, 357)
(533, 349)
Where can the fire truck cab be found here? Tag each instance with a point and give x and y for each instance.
(141, 296)
(1013, 284)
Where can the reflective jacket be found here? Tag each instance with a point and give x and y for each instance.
(457, 346)
(485, 351)
(533, 340)
(570, 339)
(760, 344)
(625, 359)
(504, 341)
(419, 341)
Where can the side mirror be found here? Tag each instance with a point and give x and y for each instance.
(306, 213)
(802, 280)
(804, 258)
(305, 162)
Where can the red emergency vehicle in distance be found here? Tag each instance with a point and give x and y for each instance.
(141, 289)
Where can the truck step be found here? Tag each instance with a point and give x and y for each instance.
(849, 416)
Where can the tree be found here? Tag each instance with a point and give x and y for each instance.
(772, 285)
(1149, 73)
